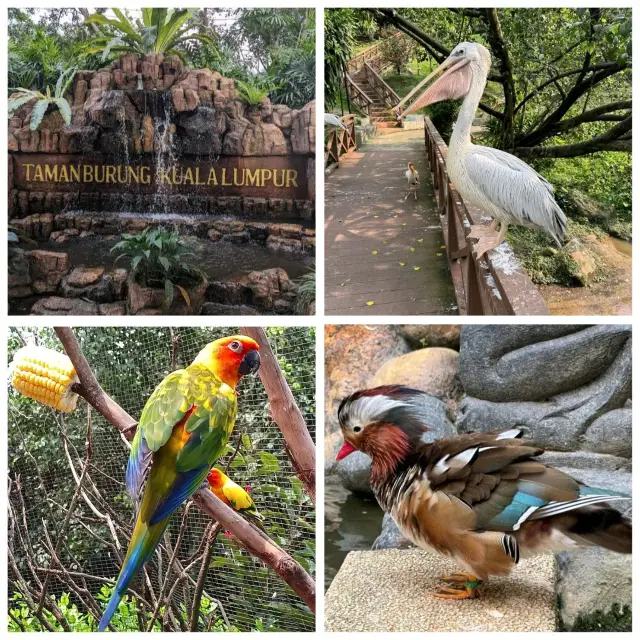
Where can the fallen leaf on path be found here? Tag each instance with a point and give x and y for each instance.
(416, 268)
(375, 253)
(411, 248)
(402, 263)
(439, 255)
(370, 303)
(420, 239)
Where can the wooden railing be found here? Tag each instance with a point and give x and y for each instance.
(340, 142)
(358, 97)
(390, 97)
(490, 285)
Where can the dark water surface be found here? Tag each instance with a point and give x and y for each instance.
(352, 523)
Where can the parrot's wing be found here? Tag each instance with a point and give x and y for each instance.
(166, 406)
(237, 497)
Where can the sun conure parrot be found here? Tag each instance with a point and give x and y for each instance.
(183, 429)
(235, 496)
(482, 499)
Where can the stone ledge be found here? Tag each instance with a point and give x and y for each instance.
(390, 591)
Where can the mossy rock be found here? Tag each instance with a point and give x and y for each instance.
(618, 618)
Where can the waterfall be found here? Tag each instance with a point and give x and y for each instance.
(164, 152)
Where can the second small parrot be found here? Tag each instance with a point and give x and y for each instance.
(235, 496)
(184, 427)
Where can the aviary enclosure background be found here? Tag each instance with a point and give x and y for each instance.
(43, 444)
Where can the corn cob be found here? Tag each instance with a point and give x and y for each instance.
(46, 376)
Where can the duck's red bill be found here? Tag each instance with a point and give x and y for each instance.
(345, 450)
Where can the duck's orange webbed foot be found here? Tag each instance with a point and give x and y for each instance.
(458, 586)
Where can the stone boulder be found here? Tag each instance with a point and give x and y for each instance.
(47, 269)
(391, 537)
(56, 306)
(432, 335)
(433, 370)
(271, 290)
(554, 381)
(19, 279)
(303, 129)
(148, 300)
(218, 309)
(590, 581)
(114, 110)
(587, 206)
(584, 266)
(197, 134)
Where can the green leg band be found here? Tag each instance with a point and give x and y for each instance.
(473, 585)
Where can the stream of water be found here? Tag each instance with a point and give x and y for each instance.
(352, 523)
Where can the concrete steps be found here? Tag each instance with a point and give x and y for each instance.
(391, 590)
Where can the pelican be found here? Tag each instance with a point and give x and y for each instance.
(331, 120)
(500, 184)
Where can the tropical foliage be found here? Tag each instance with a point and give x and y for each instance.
(273, 49)
(158, 31)
(43, 101)
(158, 259)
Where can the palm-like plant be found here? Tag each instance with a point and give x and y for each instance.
(253, 93)
(159, 31)
(158, 259)
(53, 96)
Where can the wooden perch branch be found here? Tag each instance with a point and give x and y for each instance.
(286, 414)
(256, 543)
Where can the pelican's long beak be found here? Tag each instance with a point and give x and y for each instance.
(453, 84)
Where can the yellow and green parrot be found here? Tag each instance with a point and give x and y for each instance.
(183, 429)
(235, 496)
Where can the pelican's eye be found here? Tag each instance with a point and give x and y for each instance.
(460, 52)
(357, 429)
(235, 346)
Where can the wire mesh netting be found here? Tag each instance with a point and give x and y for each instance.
(47, 452)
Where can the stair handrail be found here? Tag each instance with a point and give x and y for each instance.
(358, 96)
(389, 96)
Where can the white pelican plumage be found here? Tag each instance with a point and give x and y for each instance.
(498, 183)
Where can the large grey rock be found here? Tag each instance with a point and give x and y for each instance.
(504, 363)
(354, 472)
(610, 433)
(560, 421)
(390, 537)
(431, 335)
(585, 460)
(591, 580)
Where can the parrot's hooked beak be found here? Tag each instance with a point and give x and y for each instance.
(250, 363)
(345, 450)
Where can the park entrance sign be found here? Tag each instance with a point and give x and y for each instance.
(271, 177)
(149, 135)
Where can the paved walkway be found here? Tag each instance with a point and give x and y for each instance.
(391, 591)
(379, 247)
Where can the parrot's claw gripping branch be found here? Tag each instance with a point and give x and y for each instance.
(256, 543)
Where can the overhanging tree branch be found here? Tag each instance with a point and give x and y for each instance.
(613, 140)
(499, 48)
(256, 543)
(286, 414)
(603, 113)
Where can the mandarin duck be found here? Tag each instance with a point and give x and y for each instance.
(482, 499)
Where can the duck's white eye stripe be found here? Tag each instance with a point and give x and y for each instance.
(369, 408)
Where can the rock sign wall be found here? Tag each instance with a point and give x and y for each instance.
(151, 135)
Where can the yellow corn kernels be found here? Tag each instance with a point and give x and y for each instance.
(46, 376)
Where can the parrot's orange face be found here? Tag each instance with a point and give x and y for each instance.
(215, 479)
(231, 358)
